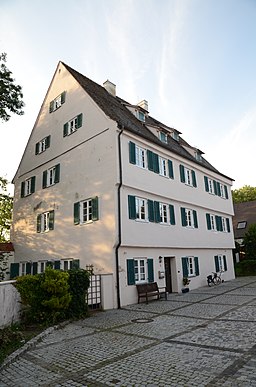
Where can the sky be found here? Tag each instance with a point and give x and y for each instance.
(194, 61)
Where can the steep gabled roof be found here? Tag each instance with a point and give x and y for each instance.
(244, 212)
(115, 108)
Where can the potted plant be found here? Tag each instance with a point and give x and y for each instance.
(186, 282)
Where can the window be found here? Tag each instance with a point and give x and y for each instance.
(198, 156)
(189, 218)
(69, 263)
(140, 157)
(57, 102)
(141, 209)
(72, 125)
(43, 144)
(140, 270)
(220, 263)
(163, 137)
(241, 225)
(51, 176)
(163, 165)
(23, 268)
(190, 266)
(215, 187)
(175, 136)
(140, 115)
(45, 221)
(211, 186)
(41, 266)
(163, 213)
(222, 224)
(187, 176)
(28, 186)
(211, 222)
(86, 211)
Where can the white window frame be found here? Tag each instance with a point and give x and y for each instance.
(28, 186)
(222, 191)
(51, 176)
(86, 211)
(23, 268)
(140, 154)
(42, 145)
(141, 209)
(72, 125)
(57, 102)
(65, 264)
(45, 221)
(189, 217)
(211, 186)
(163, 167)
(224, 224)
(221, 263)
(188, 176)
(140, 270)
(191, 267)
(41, 266)
(213, 222)
(163, 137)
(164, 213)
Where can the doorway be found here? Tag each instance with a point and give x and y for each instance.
(168, 274)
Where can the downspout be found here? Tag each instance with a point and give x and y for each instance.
(119, 215)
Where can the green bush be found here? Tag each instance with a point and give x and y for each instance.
(46, 295)
(79, 282)
(246, 267)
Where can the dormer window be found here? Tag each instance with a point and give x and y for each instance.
(175, 136)
(198, 156)
(140, 115)
(163, 137)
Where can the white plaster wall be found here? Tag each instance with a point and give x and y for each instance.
(9, 304)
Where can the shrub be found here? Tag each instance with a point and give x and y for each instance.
(79, 282)
(246, 267)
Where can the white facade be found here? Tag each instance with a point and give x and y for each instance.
(90, 163)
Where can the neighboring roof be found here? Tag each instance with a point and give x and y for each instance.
(244, 212)
(6, 247)
(115, 108)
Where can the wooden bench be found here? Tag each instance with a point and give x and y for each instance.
(150, 289)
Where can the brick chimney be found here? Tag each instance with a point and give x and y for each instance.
(110, 87)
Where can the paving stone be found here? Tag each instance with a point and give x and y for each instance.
(244, 313)
(158, 307)
(229, 299)
(203, 310)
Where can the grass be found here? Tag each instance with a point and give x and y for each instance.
(15, 336)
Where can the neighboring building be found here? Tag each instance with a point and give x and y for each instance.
(103, 183)
(245, 215)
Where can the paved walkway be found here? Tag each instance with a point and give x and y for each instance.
(206, 337)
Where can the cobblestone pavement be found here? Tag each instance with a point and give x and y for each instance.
(206, 337)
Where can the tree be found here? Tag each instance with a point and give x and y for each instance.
(244, 194)
(6, 204)
(250, 242)
(10, 94)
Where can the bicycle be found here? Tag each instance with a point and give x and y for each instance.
(214, 279)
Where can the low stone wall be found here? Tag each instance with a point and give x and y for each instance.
(10, 305)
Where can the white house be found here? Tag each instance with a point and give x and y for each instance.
(103, 183)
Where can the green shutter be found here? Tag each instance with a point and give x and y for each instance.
(172, 214)
(48, 142)
(215, 188)
(51, 107)
(44, 179)
(22, 192)
(77, 213)
(79, 120)
(132, 153)
(151, 213)
(228, 225)
(195, 219)
(183, 217)
(65, 129)
(132, 207)
(75, 264)
(193, 178)
(155, 163)
(57, 265)
(38, 223)
(57, 174)
(49, 264)
(63, 97)
(196, 265)
(225, 262)
(150, 262)
(208, 221)
(150, 160)
(206, 184)
(218, 223)
(170, 168)
(182, 173)
(218, 189)
(184, 261)
(37, 148)
(217, 266)
(28, 268)
(14, 270)
(51, 220)
(226, 191)
(34, 268)
(157, 212)
(130, 272)
(95, 208)
(33, 184)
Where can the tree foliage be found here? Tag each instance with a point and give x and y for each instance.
(10, 93)
(6, 204)
(244, 194)
(250, 242)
